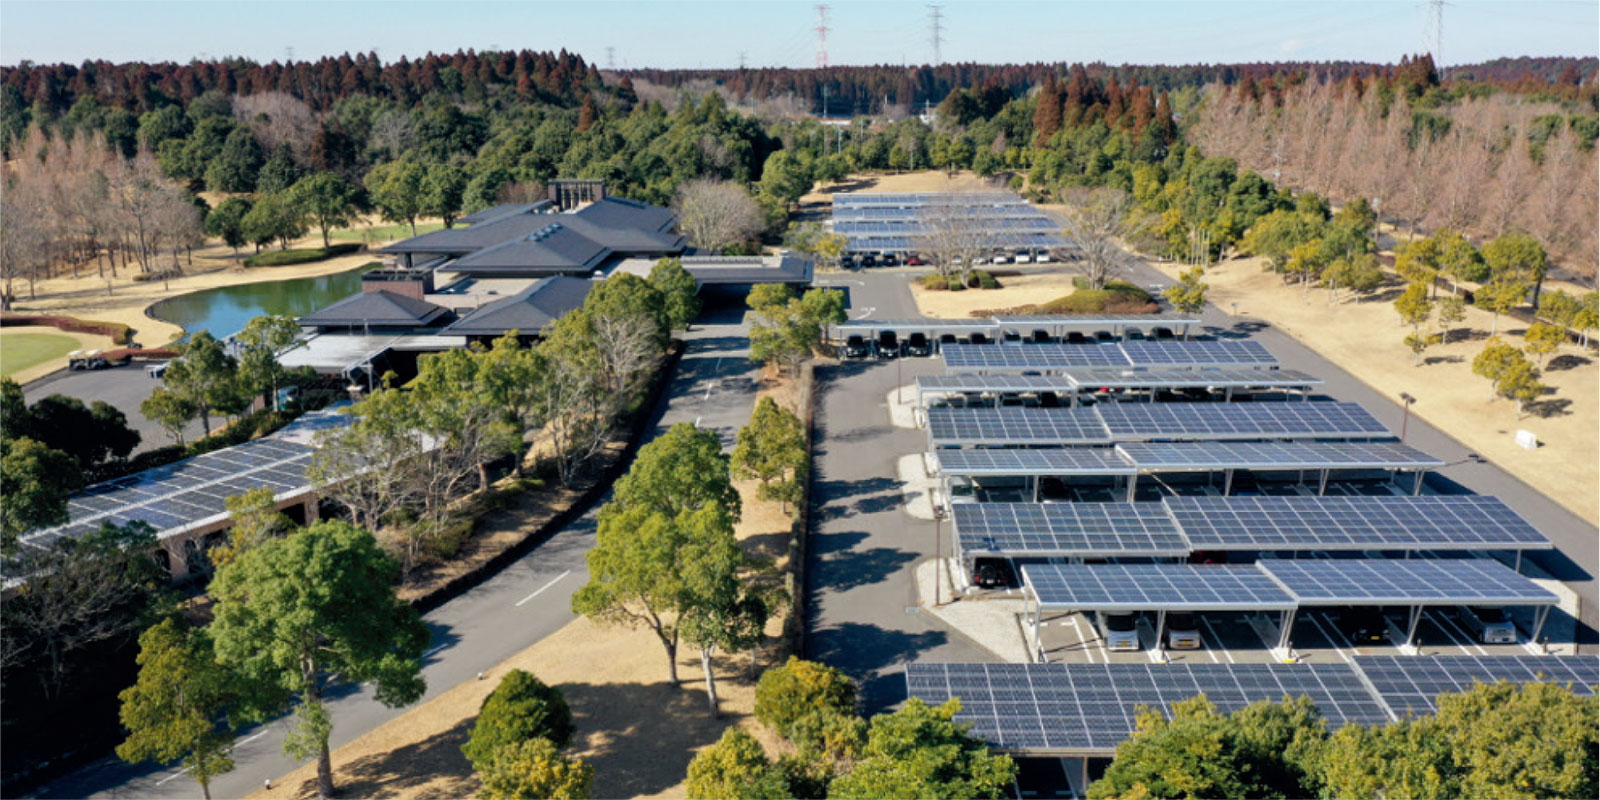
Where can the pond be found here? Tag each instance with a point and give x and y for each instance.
(225, 310)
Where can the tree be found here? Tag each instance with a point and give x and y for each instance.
(171, 711)
(204, 377)
(716, 215)
(256, 520)
(38, 482)
(768, 295)
(1542, 339)
(1402, 760)
(328, 200)
(1494, 360)
(169, 410)
(735, 768)
(273, 217)
(920, 751)
(1532, 740)
(680, 292)
(1188, 295)
(234, 168)
(1500, 296)
(520, 708)
(443, 191)
(1458, 258)
(797, 698)
(1520, 382)
(1274, 235)
(785, 177)
(1452, 310)
(226, 221)
(1517, 257)
(260, 343)
(533, 768)
(1096, 222)
(773, 449)
(682, 470)
(725, 606)
(1415, 308)
(811, 239)
(299, 613)
(787, 334)
(91, 435)
(279, 172)
(398, 190)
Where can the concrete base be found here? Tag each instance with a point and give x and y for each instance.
(919, 489)
(995, 625)
(903, 409)
(1268, 631)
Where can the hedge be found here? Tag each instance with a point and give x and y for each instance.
(280, 258)
(119, 333)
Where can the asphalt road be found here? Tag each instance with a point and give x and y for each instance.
(123, 387)
(713, 387)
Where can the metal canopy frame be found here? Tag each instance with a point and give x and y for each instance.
(1065, 530)
(1435, 522)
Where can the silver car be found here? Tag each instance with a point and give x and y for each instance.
(1119, 629)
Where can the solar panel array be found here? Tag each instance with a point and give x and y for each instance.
(1031, 356)
(1109, 320)
(180, 494)
(967, 382)
(1154, 421)
(904, 222)
(922, 199)
(1011, 426)
(1138, 587)
(1469, 522)
(1407, 684)
(1090, 708)
(1180, 354)
(1195, 378)
(1067, 529)
(1455, 581)
(1210, 456)
(1055, 461)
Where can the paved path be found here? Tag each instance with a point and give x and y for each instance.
(714, 385)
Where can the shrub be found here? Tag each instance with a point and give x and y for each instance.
(163, 275)
(522, 707)
(984, 280)
(955, 285)
(934, 281)
(280, 258)
(795, 698)
(119, 333)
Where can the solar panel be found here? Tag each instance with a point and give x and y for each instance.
(1409, 684)
(1030, 356)
(1196, 354)
(910, 325)
(1108, 320)
(1469, 522)
(1057, 461)
(1088, 709)
(1197, 378)
(1156, 421)
(970, 383)
(1410, 582)
(1210, 456)
(1015, 426)
(1066, 529)
(1139, 587)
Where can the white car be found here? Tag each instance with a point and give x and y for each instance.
(1024, 258)
(1488, 624)
(1183, 631)
(1119, 629)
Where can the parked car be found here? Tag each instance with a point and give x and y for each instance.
(1488, 624)
(917, 344)
(856, 347)
(1024, 258)
(1183, 631)
(1133, 335)
(993, 573)
(888, 345)
(1104, 336)
(1119, 629)
(1161, 333)
(1001, 258)
(978, 338)
(915, 261)
(1041, 337)
(961, 490)
(890, 259)
(869, 261)
(1076, 337)
(1364, 625)
(1011, 336)
(947, 338)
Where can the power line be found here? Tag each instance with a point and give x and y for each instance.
(936, 31)
(822, 36)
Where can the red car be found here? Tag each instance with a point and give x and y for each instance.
(913, 261)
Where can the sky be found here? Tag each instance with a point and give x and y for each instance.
(763, 33)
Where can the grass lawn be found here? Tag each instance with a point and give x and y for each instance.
(18, 351)
(384, 233)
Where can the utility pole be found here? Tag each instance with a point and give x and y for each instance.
(822, 36)
(936, 31)
(824, 101)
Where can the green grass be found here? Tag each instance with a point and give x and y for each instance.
(19, 351)
(385, 233)
(279, 258)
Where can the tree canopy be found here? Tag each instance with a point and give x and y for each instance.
(520, 708)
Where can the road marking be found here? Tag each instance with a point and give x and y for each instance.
(865, 311)
(1216, 639)
(714, 380)
(542, 588)
(180, 773)
(1441, 619)
(1333, 641)
(434, 650)
(697, 423)
(1077, 631)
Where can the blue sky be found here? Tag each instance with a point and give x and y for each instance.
(651, 33)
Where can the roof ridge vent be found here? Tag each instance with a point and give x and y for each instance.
(545, 232)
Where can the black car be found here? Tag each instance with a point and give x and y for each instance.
(1161, 333)
(917, 344)
(978, 338)
(1077, 337)
(1364, 625)
(1104, 336)
(1041, 337)
(856, 347)
(888, 345)
(869, 261)
(993, 573)
(1012, 336)
(947, 338)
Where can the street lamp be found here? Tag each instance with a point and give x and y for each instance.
(1408, 400)
(1235, 308)
(938, 552)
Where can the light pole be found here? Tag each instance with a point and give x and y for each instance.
(938, 551)
(1235, 308)
(1408, 400)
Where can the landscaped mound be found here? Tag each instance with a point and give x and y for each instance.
(1118, 297)
(282, 258)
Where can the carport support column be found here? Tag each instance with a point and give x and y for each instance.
(1133, 482)
(1416, 484)
(1038, 610)
(1539, 616)
(1322, 484)
(1161, 635)
(1411, 626)
(1227, 394)
(1227, 482)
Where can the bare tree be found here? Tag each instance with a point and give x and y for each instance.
(953, 238)
(716, 214)
(1096, 221)
(277, 117)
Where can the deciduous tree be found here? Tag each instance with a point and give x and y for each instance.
(716, 215)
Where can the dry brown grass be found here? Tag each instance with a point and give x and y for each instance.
(923, 181)
(1015, 290)
(1366, 338)
(638, 731)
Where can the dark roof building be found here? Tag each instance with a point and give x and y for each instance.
(378, 309)
(534, 240)
(527, 311)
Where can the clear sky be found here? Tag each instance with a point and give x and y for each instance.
(659, 33)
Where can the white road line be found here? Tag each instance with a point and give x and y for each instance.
(1216, 641)
(434, 650)
(1333, 641)
(180, 773)
(1441, 619)
(542, 588)
(1078, 631)
(714, 380)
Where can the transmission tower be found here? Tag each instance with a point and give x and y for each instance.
(936, 31)
(611, 58)
(1436, 33)
(741, 60)
(822, 36)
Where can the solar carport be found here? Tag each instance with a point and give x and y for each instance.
(1118, 325)
(1228, 381)
(1023, 427)
(1086, 710)
(984, 358)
